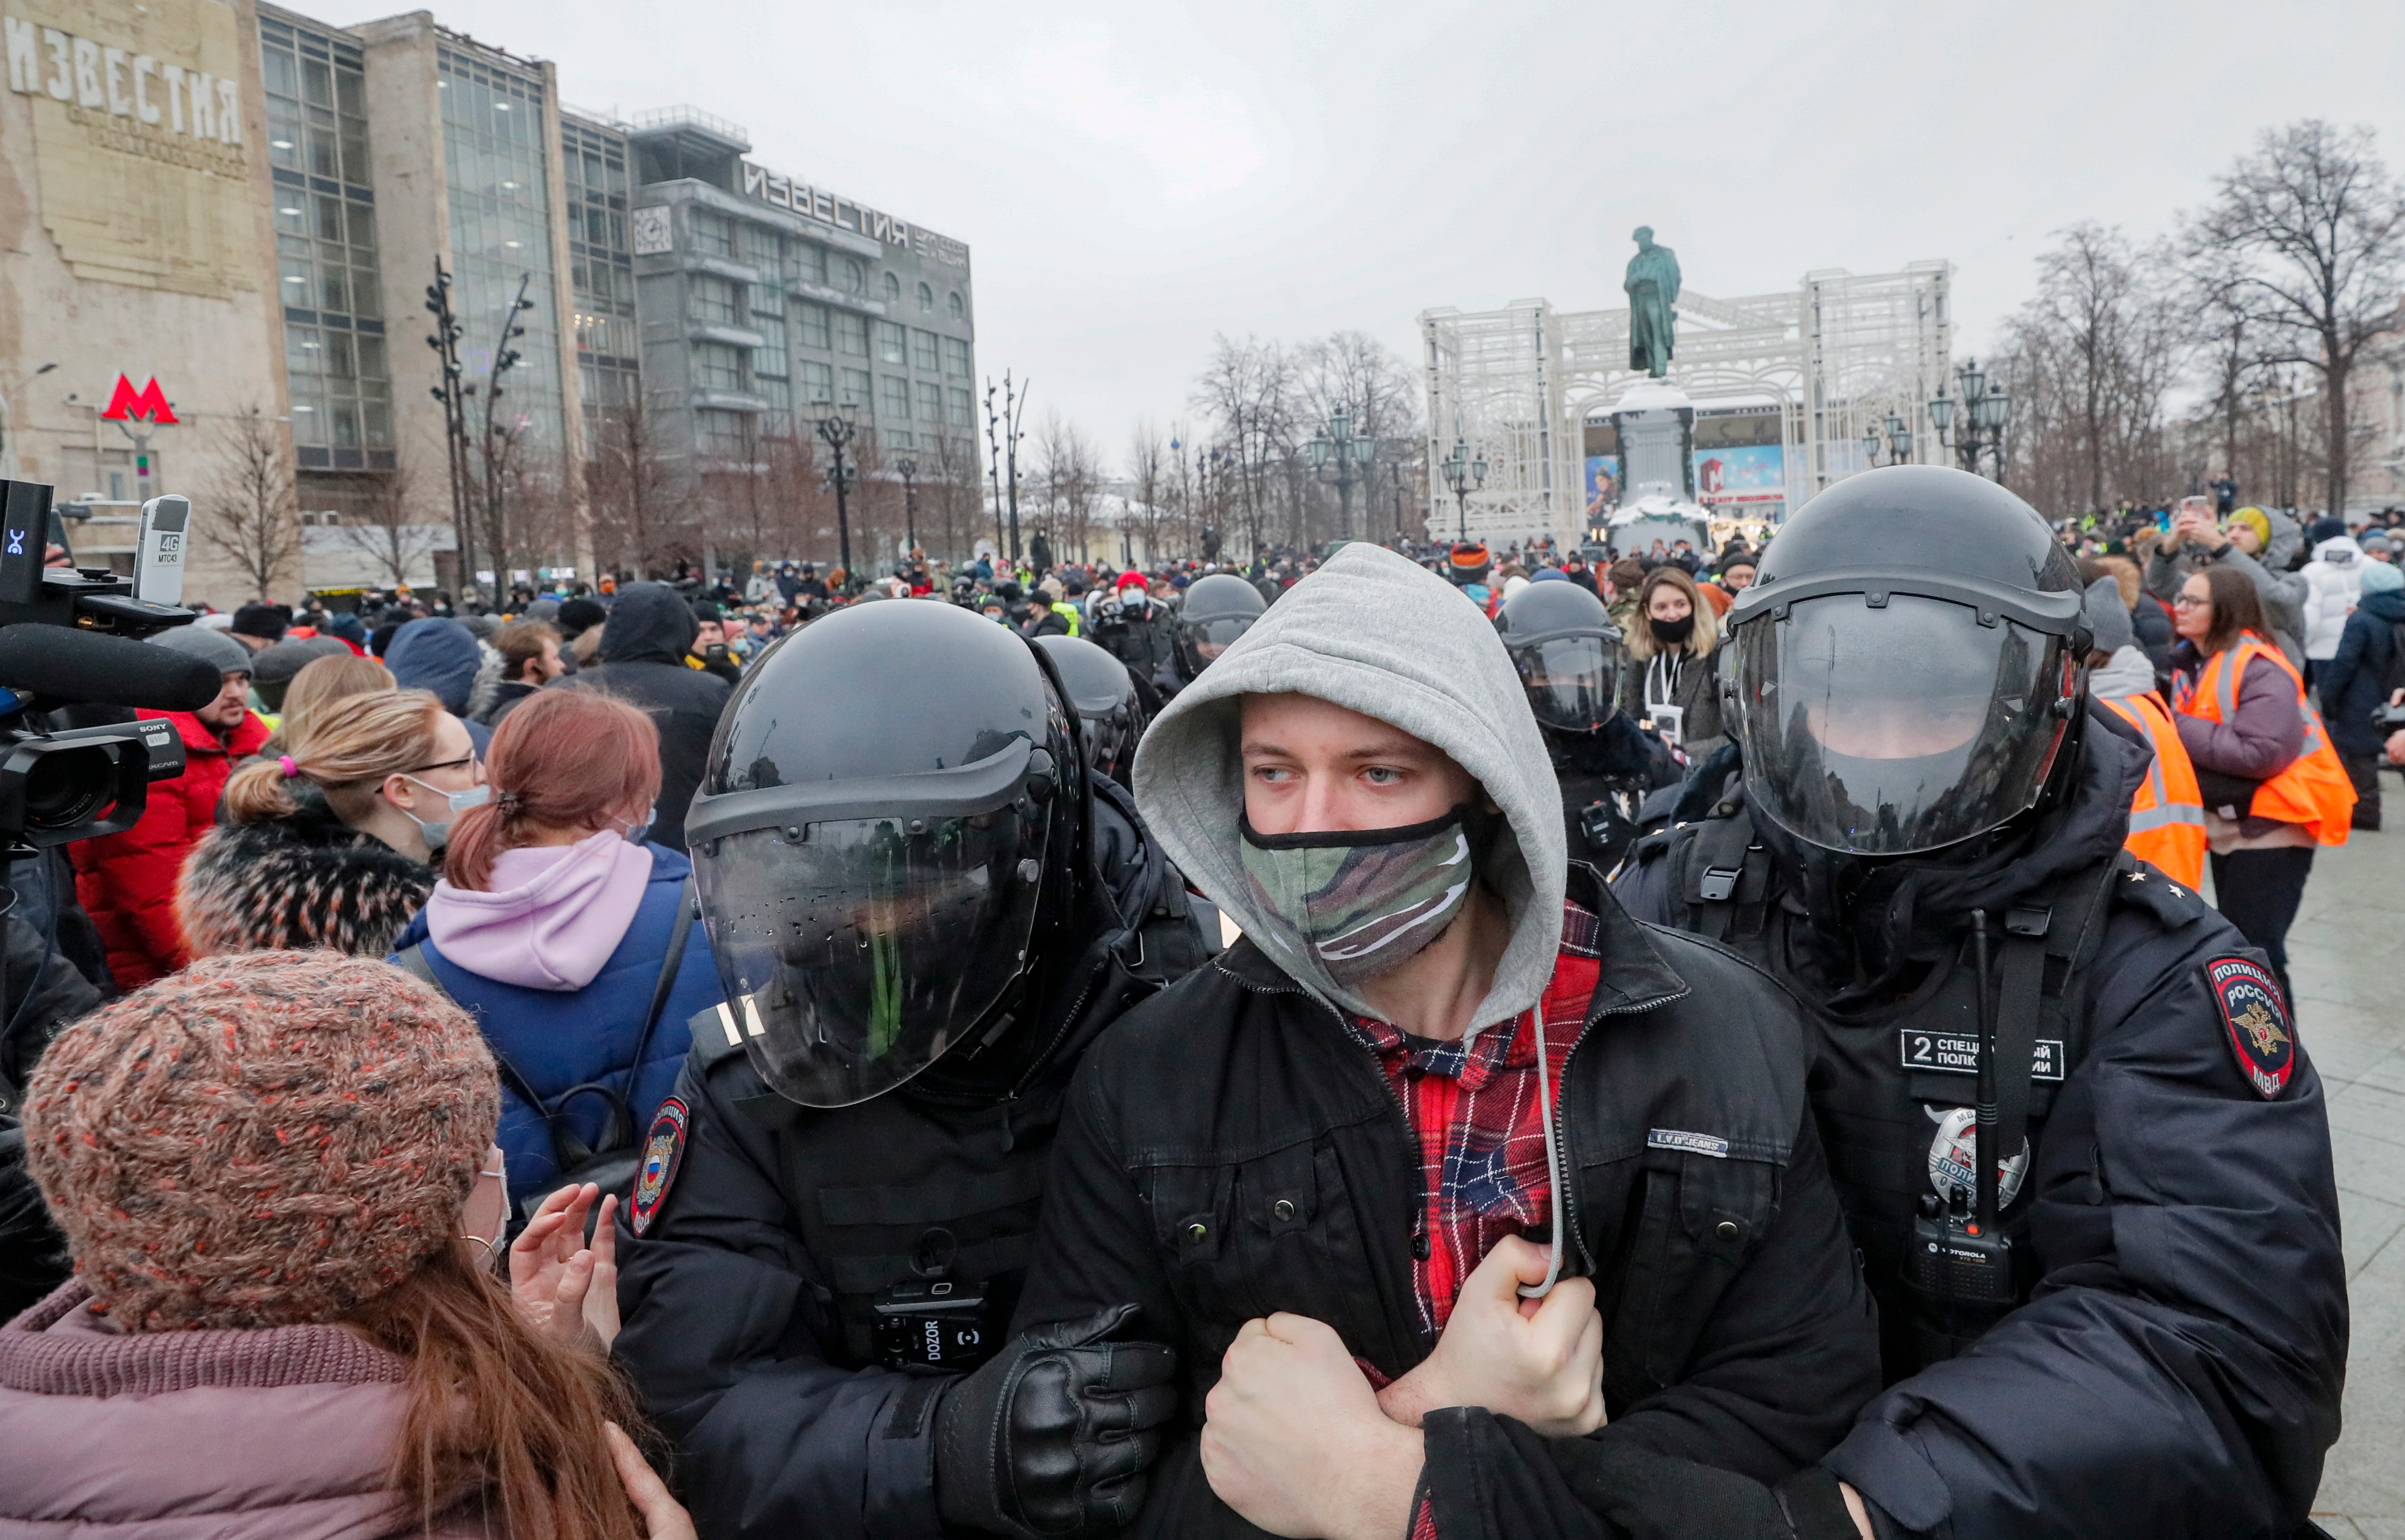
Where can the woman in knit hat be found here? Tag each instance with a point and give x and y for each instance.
(265, 1168)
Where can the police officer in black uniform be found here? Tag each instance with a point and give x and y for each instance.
(1217, 610)
(897, 844)
(2140, 1329)
(1568, 651)
(1100, 689)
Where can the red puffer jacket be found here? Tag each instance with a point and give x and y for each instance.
(127, 882)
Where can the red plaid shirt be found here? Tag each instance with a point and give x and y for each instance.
(1475, 1112)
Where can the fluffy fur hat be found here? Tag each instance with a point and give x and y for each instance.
(260, 1140)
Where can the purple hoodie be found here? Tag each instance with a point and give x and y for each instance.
(552, 915)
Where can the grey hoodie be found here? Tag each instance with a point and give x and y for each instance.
(1377, 634)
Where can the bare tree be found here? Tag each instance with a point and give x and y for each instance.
(1355, 373)
(638, 524)
(1251, 393)
(1148, 480)
(2313, 230)
(953, 498)
(252, 518)
(1069, 476)
(388, 528)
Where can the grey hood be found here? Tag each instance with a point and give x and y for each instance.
(1377, 634)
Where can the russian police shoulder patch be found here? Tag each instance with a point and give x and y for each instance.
(663, 1149)
(2255, 1019)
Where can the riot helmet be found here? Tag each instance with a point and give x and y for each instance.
(1217, 609)
(1102, 692)
(884, 842)
(1561, 640)
(1908, 669)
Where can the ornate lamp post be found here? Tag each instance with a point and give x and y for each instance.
(1339, 444)
(837, 426)
(1898, 442)
(1985, 408)
(1462, 473)
(908, 469)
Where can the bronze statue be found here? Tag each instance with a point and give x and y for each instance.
(1652, 285)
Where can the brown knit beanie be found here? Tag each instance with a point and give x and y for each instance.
(260, 1140)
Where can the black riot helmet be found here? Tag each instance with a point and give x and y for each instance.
(1110, 717)
(1908, 667)
(1217, 609)
(884, 839)
(1561, 640)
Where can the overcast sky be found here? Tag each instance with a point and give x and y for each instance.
(1132, 178)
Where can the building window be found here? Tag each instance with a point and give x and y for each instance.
(855, 276)
(766, 300)
(817, 381)
(720, 433)
(717, 366)
(810, 326)
(956, 406)
(601, 270)
(892, 289)
(805, 262)
(926, 300)
(779, 394)
(854, 383)
(922, 351)
(497, 161)
(316, 105)
(956, 356)
(931, 402)
(760, 248)
(769, 357)
(851, 334)
(710, 299)
(895, 406)
(959, 310)
(709, 234)
(889, 343)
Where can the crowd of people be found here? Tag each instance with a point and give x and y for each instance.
(1432, 1043)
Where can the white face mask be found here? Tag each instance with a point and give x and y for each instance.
(437, 832)
(485, 1216)
(638, 830)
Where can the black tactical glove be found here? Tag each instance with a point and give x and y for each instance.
(1051, 1438)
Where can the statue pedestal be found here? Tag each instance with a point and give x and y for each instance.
(1656, 423)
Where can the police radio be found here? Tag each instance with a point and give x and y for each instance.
(1963, 1259)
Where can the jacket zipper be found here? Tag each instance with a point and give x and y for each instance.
(1561, 1115)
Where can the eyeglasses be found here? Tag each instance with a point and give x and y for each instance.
(476, 767)
(2191, 601)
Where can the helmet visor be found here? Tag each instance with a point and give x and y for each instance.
(1889, 730)
(1570, 680)
(856, 957)
(1209, 638)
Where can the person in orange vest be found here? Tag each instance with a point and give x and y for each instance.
(2167, 815)
(2273, 787)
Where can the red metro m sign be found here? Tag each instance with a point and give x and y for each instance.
(149, 401)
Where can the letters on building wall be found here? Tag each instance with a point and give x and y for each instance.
(828, 208)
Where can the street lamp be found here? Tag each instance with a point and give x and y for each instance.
(1395, 475)
(837, 426)
(909, 470)
(1338, 442)
(1897, 442)
(1985, 408)
(1461, 473)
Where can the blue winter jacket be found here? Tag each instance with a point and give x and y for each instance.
(559, 1040)
(2351, 681)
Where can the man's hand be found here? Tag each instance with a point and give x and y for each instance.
(1295, 1442)
(1537, 1360)
(567, 1289)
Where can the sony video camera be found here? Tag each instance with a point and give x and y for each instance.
(73, 636)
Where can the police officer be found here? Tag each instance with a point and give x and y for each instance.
(2140, 1327)
(1217, 609)
(896, 843)
(1568, 651)
(1102, 691)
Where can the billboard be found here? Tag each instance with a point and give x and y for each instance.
(1602, 486)
(1741, 475)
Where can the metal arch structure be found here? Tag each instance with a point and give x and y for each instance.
(1836, 355)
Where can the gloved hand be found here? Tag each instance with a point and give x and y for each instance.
(1052, 1437)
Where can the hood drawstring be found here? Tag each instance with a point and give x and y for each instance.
(1553, 1160)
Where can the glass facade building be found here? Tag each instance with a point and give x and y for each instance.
(601, 267)
(496, 161)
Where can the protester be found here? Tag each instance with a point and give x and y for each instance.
(1672, 682)
(2194, 542)
(280, 1335)
(444, 658)
(127, 881)
(2355, 683)
(259, 626)
(2167, 815)
(333, 843)
(2273, 787)
(709, 650)
(321, 682)
(530, 659)
(2332, 579)
(273, 668)
(641, 660)
(552, 925)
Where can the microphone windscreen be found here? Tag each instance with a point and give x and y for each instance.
(77, 666)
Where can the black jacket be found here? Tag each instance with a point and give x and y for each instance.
(643, 646)
(2177, 1369)
(745, 1340)
(1229, 1150)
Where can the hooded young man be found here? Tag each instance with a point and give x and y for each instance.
(1327, 1170)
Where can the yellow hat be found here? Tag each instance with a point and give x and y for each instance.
(2257, 520)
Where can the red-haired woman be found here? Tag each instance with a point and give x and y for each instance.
(552, 925)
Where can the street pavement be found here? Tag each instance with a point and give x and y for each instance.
(2344, 957)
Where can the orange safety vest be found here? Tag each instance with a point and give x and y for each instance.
(2167, 816)
(2313, 789)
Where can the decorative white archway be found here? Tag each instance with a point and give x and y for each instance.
(1836, 356)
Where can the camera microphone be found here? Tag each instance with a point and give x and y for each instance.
(59, 665)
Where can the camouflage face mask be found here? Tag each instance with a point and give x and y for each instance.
(1361, 900)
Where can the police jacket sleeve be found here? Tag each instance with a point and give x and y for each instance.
(718, 1297)
(2178, 1369)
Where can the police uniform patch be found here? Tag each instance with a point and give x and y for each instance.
(663, 1149)
(2256, 1019)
